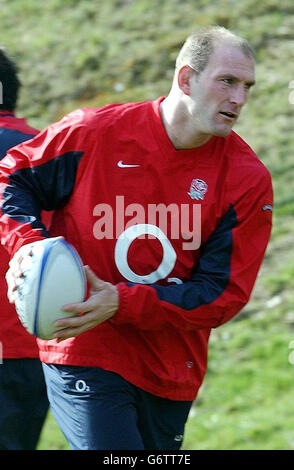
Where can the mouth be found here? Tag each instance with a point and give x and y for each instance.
(229, 115)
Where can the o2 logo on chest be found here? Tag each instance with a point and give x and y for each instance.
(121, 254)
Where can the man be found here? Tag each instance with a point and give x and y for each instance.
(125, 373)
(23, 398)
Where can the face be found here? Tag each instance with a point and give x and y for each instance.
(218, 94)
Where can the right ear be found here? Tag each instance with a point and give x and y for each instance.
(184, 76)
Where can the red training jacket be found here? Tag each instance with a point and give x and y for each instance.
(128, 201)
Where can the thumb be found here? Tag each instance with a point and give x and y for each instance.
(93, 280)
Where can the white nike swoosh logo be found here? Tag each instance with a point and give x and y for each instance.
(120, 164)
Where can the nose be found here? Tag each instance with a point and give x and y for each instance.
(239, 95)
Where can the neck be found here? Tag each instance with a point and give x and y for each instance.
(176, 122)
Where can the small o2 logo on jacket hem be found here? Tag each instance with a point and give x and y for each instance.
(81, 386)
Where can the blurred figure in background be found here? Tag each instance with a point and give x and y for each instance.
(23, 398)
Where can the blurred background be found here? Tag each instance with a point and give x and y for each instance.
(89, 53)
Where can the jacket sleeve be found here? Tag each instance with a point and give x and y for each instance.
(34, 176)
(223, 279)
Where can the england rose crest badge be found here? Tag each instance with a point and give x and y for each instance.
(198, 189)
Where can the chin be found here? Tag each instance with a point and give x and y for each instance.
(222, 132)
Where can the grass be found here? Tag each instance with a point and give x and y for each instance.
(245, 401)
(90, 53)
(51, 437)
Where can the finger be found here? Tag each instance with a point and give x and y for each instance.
(93, 280)
(74, 326)
(11, 286)
(23, 252)
(14, 276)
(80, 307)
(92, 303)
(21, 262)
(14, 263)
(66, 333)
(74, 321)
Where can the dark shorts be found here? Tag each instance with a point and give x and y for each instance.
(23, 403)
(98, 409)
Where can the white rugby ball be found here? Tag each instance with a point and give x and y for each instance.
(53, 276)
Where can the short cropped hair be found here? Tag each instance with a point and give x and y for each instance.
(199, 46)
(9, 82)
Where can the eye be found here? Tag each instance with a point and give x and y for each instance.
(227, 81)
